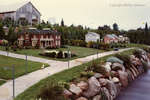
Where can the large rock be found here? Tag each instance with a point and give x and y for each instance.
(133, 72)
(130, 76)
(103, 81)
(75, 89)
(118, 66)
(67, 93)
(115, 80)
(97, 97)
(123, 76)
(107, 66)
(105, 95)
(112, 89)
(114, 60)
(98, 75)
(94, 87)
(82, 98)
(83, 85)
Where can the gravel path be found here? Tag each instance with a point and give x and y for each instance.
(24, 82)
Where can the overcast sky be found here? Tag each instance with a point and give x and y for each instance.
(93, 13)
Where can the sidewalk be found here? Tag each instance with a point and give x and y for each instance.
(24, 82)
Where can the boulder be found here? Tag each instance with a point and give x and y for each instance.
(118, 86)
(98, 75)
(107, 66)
(103, 81)
(114, 74)
(133, 72)
(105, 95)
(130, 76)
(97, 97)
(75, 89)
(123, 76)
(115, 80)
(83, 85)
(94, 87)
(114, 60)
(118, 66)
(112, 89)
(82, 98)
(67, 93)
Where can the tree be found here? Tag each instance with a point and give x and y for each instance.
(12, 36)
(115, 27)
(146, 28)
(2, 33)
(62, 22)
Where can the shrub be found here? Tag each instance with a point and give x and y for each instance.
(52, 91)
(53, 54)
(66, 55)
(126, 59)
(87, 74)
(137, 53)
(14, 48)
(90, 44)
(60, 54)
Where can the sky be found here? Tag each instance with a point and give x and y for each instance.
(128, 14)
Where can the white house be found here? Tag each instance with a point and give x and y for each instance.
(91, 36)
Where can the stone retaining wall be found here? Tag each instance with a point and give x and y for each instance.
(100, 87)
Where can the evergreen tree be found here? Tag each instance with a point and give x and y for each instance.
(146, 28)
(62, 22)
(115, 27)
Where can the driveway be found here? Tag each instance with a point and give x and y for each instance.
(24, 82)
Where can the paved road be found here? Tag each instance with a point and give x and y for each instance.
(24, 82)
(138, 90)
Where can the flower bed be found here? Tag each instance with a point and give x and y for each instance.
(58, 54)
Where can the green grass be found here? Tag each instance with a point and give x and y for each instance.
(79, 51)
(20, 66)
(136, 45)
(64, 76)
(2, 82)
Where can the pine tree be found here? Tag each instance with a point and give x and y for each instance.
(62, 22)
(115, 27)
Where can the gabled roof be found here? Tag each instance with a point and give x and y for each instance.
(92, 33)
(14, 7)
(112, 36)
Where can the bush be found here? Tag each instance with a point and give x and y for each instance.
(87, 74)
(126, 59)
(78, 43)
(60, 54)
(90, 44)
(137, 53)
(53, 54)
(104, 46)
(52, 91)
(14, 48)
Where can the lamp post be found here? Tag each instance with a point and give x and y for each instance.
(26, 63)
(13, 77)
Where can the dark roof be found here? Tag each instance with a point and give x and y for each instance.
(37, 31)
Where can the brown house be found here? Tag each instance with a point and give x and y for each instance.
(40, 38)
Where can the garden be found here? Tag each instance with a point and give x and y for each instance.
(64, 79)
(20, 66)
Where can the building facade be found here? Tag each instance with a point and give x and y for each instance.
(111, 38)
(21, 12)
(39, 38)
(91, 36)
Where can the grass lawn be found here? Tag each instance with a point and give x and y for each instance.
(79, 51)
(20, 66)
(136, 45)
(64, 76)
(2, 82)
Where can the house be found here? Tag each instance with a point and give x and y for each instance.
(111, 38)
(123, 39)
(91, 36)
(21, 12)
(39, 38)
